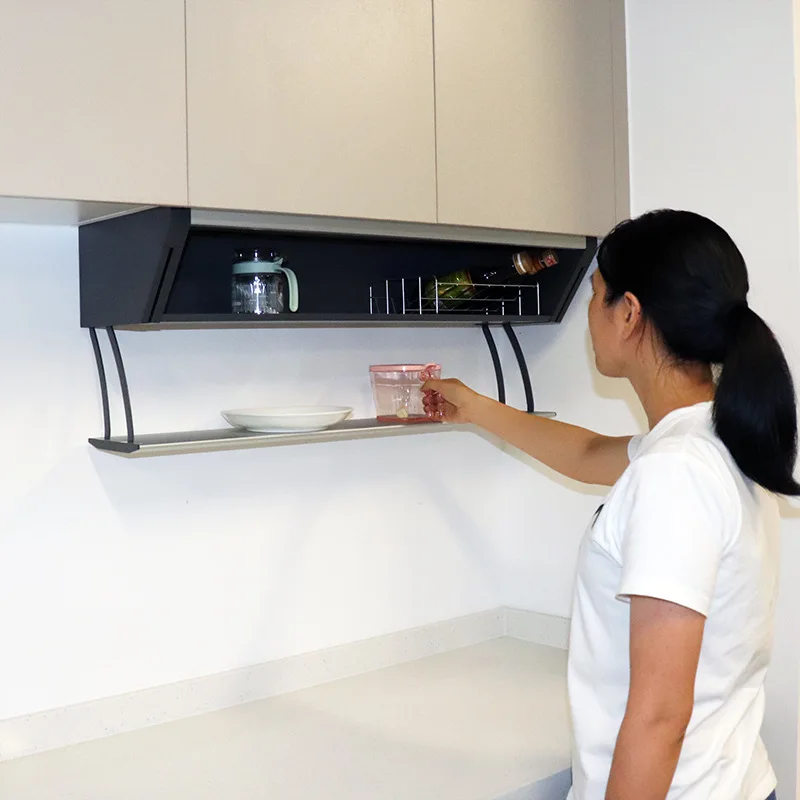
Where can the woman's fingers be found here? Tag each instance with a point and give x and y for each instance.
(450, 389)
(431, 385)
(432, 403)
(443, 399)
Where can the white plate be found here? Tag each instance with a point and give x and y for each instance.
(289, 419)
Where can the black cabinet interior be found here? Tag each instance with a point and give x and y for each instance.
(153, 267)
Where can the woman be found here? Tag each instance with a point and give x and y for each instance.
(677, 574)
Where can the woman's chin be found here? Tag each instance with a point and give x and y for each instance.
(606, 370)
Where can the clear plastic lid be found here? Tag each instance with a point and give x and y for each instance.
(402, 367)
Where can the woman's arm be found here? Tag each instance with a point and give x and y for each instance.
(665, 641)
(575, 452)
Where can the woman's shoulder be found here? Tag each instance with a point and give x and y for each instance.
(692, 458)
(696, 449)
(689, 440)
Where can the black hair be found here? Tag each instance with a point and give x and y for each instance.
(691, 281)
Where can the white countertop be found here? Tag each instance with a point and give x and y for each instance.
(483, 722)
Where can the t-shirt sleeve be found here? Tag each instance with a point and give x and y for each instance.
(672, 530)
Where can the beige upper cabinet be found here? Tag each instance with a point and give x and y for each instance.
(525, 114)
(312, 107)
(92, 100)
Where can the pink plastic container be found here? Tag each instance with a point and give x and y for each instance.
(396, 388)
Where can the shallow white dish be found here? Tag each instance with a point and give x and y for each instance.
(288, 419)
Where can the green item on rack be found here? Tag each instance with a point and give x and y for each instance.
(452, 289)
(458, 288)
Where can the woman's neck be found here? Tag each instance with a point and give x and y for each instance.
(666, 387)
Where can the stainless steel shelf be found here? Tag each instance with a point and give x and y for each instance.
(163, 444)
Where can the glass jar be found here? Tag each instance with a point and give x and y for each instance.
(261, 284)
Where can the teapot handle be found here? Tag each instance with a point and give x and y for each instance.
(294, 291)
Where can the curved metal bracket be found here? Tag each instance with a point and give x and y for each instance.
(123, 382)
(101, 371)
(521, 363)
(498, 367)
(523, 366)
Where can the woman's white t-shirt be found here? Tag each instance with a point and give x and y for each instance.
(682, 524)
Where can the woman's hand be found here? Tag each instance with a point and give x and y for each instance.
(449, 400)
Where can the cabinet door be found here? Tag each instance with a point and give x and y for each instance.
(524, 111)
(312, 107)
(93, 100)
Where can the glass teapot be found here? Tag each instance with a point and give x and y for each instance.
(261, 284)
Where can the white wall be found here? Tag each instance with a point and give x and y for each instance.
(116, 575)
(713, 129)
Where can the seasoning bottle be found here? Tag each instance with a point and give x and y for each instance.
(458, 288)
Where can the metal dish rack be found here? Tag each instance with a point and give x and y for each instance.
(413, 296)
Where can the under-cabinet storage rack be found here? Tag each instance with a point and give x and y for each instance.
(166, 268)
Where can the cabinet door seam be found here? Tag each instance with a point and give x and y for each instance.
(186, 89)
(435, 116)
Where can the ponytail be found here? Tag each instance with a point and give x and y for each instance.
(691, 281)
(754, 406)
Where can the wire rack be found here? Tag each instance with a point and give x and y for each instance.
(421, 296)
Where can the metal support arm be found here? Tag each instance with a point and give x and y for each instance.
(123, 382)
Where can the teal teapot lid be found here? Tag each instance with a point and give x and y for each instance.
(251, 261)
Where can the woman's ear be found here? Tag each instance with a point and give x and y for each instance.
(631, 311)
